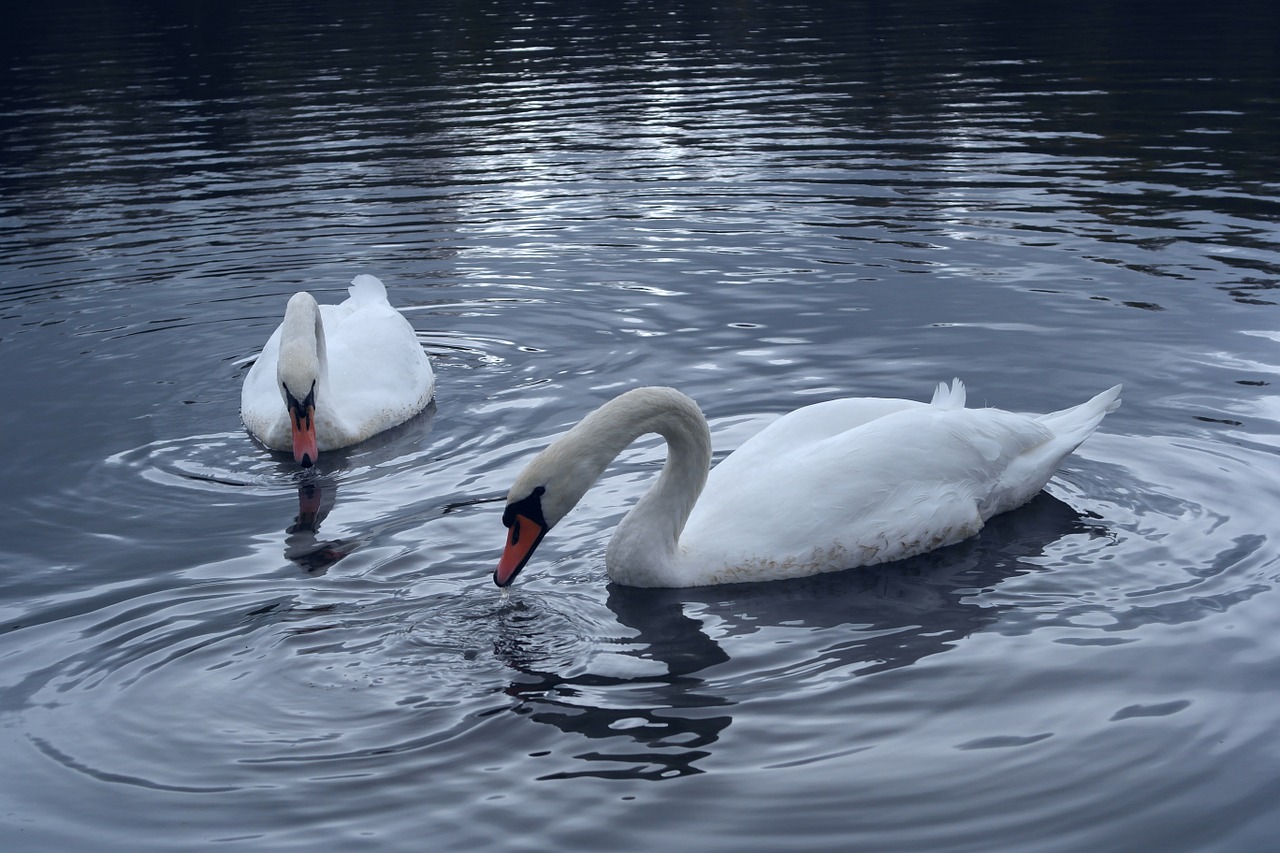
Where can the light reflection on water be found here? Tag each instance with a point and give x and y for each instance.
(764, 208)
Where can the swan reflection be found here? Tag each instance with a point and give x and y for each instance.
(318, 490)
(654, 727)
(653, 704)
(302, 545)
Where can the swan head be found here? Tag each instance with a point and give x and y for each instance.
(526, 524)
(541, 496)
(298, 373)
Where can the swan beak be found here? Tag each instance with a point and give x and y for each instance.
(526, 525)
(523, 535)
(305, 452)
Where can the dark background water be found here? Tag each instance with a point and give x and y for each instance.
(762, 204)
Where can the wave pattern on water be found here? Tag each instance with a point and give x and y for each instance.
(765, 205)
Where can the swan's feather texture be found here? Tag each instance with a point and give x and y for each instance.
(862, 487)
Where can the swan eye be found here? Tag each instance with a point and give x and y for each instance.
(530, 507)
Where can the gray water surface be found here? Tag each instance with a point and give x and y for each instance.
(764, 205)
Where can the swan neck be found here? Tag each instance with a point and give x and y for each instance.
(645, 549)
(303, 357)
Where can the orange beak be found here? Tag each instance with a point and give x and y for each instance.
(305, 452)
(523, 535)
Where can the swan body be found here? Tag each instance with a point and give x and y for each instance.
(835, 485)
(333, 375)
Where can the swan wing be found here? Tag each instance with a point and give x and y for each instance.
(807, 426)
(261, 407)
(813, 423)
(913, 479)
(379, 375)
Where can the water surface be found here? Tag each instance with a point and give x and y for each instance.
(763, 205)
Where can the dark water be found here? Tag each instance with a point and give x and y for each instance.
(762, 204)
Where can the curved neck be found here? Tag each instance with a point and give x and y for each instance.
(644, 550)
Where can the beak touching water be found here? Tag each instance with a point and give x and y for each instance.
(304, 438)
(302, 416)
(525, 528)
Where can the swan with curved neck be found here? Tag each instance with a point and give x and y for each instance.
(831, 486)
(333, 375)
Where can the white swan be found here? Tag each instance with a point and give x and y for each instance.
(334, 375)
(830, 486)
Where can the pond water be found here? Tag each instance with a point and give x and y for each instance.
(764, 205)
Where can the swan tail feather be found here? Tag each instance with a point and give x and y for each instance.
(949, 398)
(1078, 422)
(366, 289)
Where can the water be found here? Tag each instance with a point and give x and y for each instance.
(763, 205)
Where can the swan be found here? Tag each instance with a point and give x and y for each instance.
(333, 375)
(834, 485)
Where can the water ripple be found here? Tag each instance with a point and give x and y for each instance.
(763, 205)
